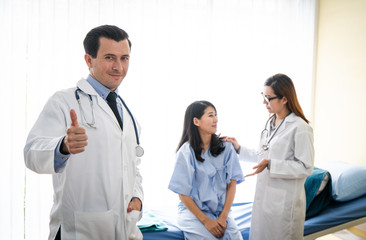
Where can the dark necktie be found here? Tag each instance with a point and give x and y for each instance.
(111, 99)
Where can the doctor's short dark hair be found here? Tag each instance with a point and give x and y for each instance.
(191, 134)
(92, 43)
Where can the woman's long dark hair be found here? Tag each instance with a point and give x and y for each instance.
(283, 86)
(192, 135)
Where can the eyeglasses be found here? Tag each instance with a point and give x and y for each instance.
(269, 99)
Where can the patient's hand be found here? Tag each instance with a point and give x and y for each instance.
(222, 223)
(214, 227)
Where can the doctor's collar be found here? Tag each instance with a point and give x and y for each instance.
(99, 88)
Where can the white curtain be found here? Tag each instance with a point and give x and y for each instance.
(182, 51)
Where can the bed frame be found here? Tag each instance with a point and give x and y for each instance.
(335, 229)
(336, 217)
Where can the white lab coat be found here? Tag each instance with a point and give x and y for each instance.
(280, 201)
(93, 188)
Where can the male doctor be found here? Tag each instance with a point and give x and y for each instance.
(90, 149)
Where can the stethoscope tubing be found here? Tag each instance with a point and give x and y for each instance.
(266, 126)
(270, 136)
(133, 120)
(77, 96)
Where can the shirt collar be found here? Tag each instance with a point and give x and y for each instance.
(98, 87)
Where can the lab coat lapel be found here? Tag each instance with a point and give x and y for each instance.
(290, 118)
(86, 87)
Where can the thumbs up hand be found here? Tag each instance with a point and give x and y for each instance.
(76, 139)
(74, 118)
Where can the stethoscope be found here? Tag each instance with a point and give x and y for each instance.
(139, 149)
(268, 137)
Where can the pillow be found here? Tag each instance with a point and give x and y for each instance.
(348, 180)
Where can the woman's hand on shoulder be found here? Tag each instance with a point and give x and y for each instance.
(233, 141)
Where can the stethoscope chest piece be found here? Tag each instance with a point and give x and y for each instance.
(139, 151)
(266, 134)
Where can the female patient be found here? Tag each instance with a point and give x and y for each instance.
(205, 177)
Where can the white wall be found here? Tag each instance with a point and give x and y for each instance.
(219, 50)
(340, 99)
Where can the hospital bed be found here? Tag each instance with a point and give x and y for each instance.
(337, 216)
(341, 204)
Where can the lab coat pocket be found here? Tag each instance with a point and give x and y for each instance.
(133, 231)
(94, 225)
(274, 201)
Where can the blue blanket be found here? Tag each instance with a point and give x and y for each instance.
(151, 223)
(316, 203)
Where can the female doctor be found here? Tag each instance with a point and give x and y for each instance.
(93, 158)
(285, 158)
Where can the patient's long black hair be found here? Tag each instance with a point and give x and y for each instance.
(192, 135)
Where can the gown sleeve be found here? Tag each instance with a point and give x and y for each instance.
(233, 167)
(182, 179)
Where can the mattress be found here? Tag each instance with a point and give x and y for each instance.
(336, 214)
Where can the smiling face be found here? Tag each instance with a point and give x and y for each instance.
(207, 124)
(111, 64)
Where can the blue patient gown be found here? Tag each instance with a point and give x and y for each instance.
(205, 182)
